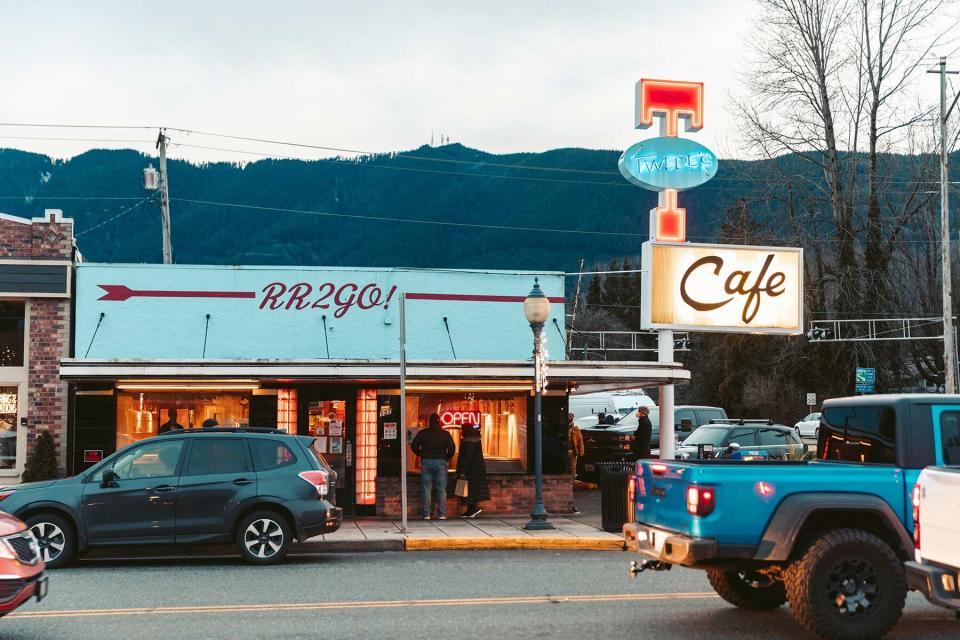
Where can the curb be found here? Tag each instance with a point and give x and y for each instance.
(514, 543)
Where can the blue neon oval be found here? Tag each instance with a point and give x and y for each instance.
(668, 163)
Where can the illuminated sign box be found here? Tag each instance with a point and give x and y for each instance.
(728, 288)
(668, 163)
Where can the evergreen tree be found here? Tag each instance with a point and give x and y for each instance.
(42, 461)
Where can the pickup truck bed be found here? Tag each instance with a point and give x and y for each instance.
(756, 514)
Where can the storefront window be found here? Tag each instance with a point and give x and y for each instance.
(502, 419)
(12, 316)
(8, 427)
(141, 414)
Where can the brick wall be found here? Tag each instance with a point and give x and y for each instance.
(509, 495)
(51, 238)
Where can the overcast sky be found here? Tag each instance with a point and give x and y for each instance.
(499, 76)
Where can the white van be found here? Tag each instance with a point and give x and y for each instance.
(589, 405)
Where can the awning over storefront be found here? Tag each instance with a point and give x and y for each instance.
(575, 375)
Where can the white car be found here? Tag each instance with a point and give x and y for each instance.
(809, 426)
(936, 533)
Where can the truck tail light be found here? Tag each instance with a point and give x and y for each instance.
(916, 516)
(631, 489)
(658, 469)
(319, 480)
(700, 500)
(6, 493)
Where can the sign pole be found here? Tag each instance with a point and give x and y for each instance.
(667, 432)
(403, 413)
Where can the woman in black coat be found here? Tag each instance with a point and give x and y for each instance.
(472, 468)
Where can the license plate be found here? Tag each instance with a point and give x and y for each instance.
(588, 467)
(40, 591)
(656, 539)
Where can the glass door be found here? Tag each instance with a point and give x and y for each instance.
(327, 422)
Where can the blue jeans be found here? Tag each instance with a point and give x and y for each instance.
(433, 479)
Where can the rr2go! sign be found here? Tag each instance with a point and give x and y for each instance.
(302, 296)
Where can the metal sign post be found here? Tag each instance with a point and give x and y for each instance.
(403, 413)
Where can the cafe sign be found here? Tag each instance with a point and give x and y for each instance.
(728, 288)
(668, 163)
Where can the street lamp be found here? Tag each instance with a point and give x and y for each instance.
(537, 309)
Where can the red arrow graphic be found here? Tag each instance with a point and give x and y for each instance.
(119, 293)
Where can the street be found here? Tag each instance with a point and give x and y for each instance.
(485, 594)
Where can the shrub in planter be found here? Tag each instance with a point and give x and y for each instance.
(42, 461)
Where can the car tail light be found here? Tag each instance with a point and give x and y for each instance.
(700, 500)
(631, 489)
(916, 516)
(319, 479)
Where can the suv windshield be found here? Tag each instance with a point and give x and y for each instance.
(707, 435)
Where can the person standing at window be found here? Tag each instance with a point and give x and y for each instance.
(641, 438)
(574, 445)
(434, 447)
(171, 422)
(472, 470)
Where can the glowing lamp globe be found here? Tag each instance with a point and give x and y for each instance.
(537, 306)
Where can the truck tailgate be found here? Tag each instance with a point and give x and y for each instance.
(748, 493)
(940, 516)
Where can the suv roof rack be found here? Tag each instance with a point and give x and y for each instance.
(766, 421)
(227, 430)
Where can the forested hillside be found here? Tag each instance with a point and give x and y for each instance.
(566, 189)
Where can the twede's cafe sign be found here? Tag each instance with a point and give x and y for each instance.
(716, 287)
(701, 287)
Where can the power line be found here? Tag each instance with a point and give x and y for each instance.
(73, 126)
(55, 139)
(445, 223)
(111, 219)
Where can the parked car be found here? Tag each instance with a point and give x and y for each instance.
(743, 439)
(258, 488)
(809, 427)
(935, 570)
(613, 443)
(829, 535)
(588, 406)
(21, 568)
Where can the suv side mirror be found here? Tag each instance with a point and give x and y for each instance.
(109, 479)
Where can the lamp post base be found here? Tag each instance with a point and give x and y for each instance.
(538, 520)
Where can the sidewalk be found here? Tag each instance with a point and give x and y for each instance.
(575, 532)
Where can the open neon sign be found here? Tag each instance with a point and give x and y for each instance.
(456, 418)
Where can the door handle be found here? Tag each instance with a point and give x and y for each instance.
(164, 488)
(242, 481)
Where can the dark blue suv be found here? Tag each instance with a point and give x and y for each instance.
(260, 488)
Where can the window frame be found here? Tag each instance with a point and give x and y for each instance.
(938, 436)
(112, 463)
(849, 435)
(18, 377)
(197, 441)
(278, 443)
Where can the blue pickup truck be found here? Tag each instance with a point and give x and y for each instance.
(830, 535)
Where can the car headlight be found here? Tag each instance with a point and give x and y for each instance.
(6, 551)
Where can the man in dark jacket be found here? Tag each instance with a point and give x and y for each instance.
(435, 447)
(641, 438)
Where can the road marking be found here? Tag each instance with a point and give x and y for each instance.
(361, 604)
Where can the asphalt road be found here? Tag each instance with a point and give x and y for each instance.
(463, 594)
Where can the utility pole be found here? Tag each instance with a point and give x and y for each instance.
(164, 198)
(949, 362)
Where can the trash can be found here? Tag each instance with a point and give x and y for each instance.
(614, 510)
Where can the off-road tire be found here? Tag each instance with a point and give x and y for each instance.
(747, 589)
(271, 526)
(816, 585)
(56, 538)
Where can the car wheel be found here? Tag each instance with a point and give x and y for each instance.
(264, 537)
(747, 589)
(849, 585)
(55, 537)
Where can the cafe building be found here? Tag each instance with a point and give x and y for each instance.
(316, 351)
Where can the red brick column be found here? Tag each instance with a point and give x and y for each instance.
(48, 319)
